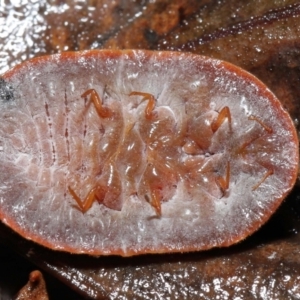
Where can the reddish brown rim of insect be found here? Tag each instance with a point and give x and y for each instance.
(111, 54)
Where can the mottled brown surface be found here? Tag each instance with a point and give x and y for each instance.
(262, 37)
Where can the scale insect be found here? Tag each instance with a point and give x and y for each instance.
(129, 152)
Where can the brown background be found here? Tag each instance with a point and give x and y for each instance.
(261, 36)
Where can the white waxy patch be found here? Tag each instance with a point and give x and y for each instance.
(205, 168)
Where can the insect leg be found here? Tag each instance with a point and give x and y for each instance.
(151, 104)
(267, 174)
(86, 204)
(223, 182)
(223, 114)
(102, 111)
(155, 201)
(267, 128)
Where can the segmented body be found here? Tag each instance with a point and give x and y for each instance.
(130, 152)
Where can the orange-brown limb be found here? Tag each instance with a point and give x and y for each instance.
(242, 150)
(223, 114)
(86, 204)
(223, 182)
(155, 201)
(268, 173)
(267, 128)
(102, 111)
(151, 104)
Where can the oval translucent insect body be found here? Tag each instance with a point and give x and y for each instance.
(133, 152)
